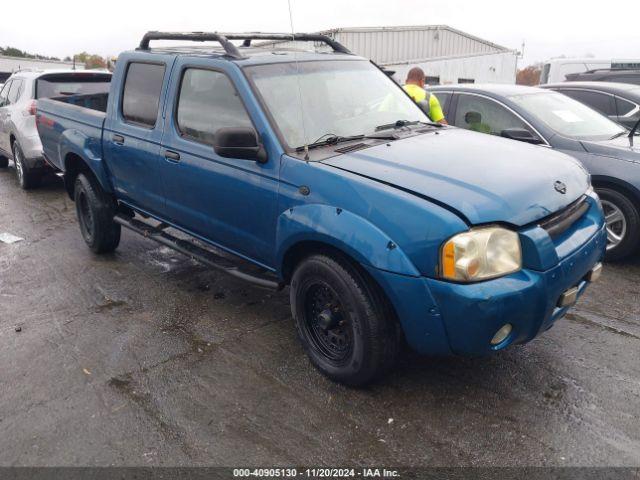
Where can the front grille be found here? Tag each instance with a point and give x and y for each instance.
(561, 221)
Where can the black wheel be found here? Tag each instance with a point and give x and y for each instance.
(623, 223)
(4, 162)
(345, 325)
(95, 211)
(27, 178)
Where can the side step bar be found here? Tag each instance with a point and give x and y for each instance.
(192, 250)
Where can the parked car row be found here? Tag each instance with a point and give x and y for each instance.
(318, 172)
(554, 120)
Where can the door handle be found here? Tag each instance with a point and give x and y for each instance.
(118, 139)
(172, 156)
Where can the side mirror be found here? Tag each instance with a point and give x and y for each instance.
(521, 135)
(239, 142)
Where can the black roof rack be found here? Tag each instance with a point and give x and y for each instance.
(298, 37)
(230, 48)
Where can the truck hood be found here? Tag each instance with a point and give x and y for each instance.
(618, 147)
(481, 178)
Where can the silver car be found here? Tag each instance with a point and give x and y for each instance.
(19, 138)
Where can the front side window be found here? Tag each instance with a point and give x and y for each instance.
(207, 102)
(443, 99)
(567, 116)
(141, 95)
(309, 100)
(483, 115)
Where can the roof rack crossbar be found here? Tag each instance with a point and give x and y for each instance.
(229, 47)
(301, 37)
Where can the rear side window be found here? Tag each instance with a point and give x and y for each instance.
(598, 101)
(66, 84)
(208, 101)
(141, 95)
(625, 107)
(15, 91)
(4, 93)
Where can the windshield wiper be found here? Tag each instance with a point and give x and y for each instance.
(330, 139)
(405, 123)
(619, 134)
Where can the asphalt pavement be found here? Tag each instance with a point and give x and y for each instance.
(143, 357)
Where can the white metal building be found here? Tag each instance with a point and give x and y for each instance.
(445, 54)
(8, 65)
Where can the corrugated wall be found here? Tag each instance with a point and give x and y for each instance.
(393, 45)
(406, 44)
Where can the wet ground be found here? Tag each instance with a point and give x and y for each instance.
(143, 357)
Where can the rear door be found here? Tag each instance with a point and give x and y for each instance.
(134, 130)
(230, 202)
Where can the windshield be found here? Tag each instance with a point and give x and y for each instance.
(342, 98)
(568, 117)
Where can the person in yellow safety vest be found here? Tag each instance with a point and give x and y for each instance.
(414, 86)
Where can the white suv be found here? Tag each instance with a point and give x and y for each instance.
(19, 138)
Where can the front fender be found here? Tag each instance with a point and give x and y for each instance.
(352, 234)
(89, 149)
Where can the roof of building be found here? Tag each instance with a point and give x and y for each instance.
(407, 28)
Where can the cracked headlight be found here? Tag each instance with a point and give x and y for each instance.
(481, 254)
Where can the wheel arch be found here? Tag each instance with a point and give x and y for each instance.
(324, 226)
(602, 181)
(74, 164)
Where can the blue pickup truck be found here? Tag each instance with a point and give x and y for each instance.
(314, 170)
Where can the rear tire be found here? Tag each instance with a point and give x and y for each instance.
(345, 325)
(4, 162)
(623, 223)
(27, 178)
(95, 211)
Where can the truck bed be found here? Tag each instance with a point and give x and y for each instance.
(80, 119)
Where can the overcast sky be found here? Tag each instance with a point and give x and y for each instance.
(549, 28)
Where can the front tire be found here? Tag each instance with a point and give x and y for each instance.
(623, 223)
(27, 178)
(95, 211)
(344, 323)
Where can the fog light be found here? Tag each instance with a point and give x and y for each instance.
(502, 334)
(595, 273)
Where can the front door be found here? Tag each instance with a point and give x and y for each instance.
(229, 202)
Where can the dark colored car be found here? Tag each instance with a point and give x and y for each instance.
(551, 119)
(618, 101)
(606, 75)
